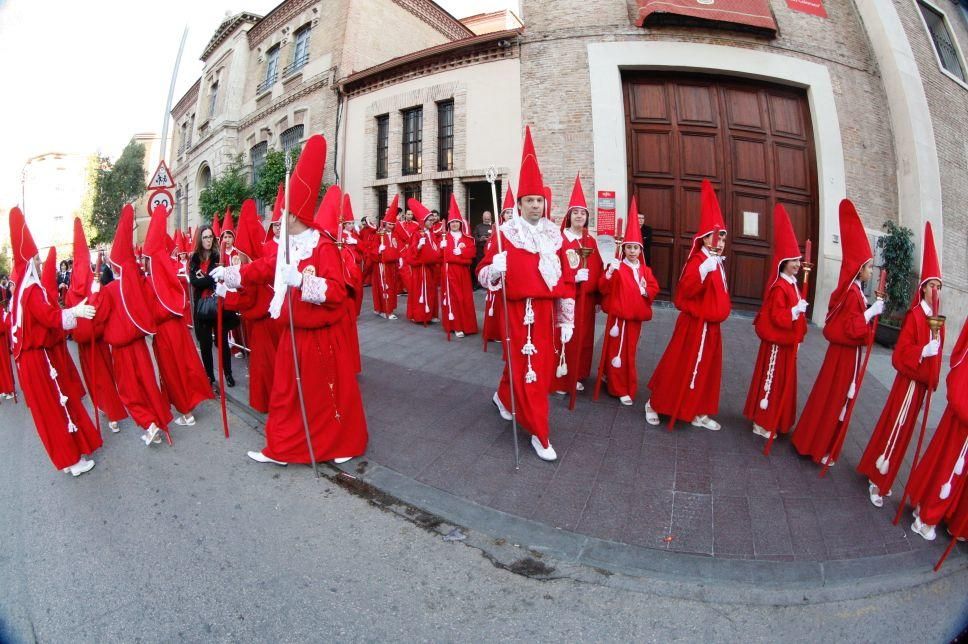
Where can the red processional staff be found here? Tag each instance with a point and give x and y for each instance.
(218, 330)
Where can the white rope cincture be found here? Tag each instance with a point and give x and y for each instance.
(447, 301)
(702, 345)
(957, 470)
(770, 370)
(492, 297)
(852, 391)
(71, 427)
(617, 360)
(529, 349)
(883, 463)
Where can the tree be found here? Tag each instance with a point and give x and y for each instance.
(897, 247)
(110, 187)
(5, 255)
(272, 173)
(228, 190)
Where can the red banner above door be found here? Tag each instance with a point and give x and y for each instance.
(724, 14)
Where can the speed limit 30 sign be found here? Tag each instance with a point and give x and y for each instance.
(160, 197)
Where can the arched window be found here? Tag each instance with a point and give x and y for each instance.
(257, 154)
(291, 137)
(204, 177)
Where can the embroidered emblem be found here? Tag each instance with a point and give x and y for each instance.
(309, 271)
(574, 261)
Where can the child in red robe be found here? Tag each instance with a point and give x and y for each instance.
(385, 257)
(458, 315)
(422, 255)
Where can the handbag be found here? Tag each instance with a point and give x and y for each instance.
(207, 309)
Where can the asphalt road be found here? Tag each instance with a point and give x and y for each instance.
(194, 542)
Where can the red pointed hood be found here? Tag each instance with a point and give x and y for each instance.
(856, 251)
(577, 201)
(327, 217)
(785, 244)
(419, 210)
(390, 216)
(280, 202)
(633, 232)
(508, 199)
(530, 181)
(454, 214)
(48, 275)
(133, 297)
(710, 217)
(81, 275)
(227, 224)
(306, 179)
(179, 240)
(249, 234)
(347, 214)
(930, 266)
(163, 275)
(22, 242)
(122, 247)
(216, 227)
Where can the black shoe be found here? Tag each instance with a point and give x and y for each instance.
(229, 380)
(214, 386)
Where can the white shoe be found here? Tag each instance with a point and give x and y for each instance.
(434, 320)
(379, 315)
(651, 417)
(259, 457)
(560, 392)
(392, 316)
(544, 453)
(459, 334)
(826, 461)
(706, 422)
(924, 530)
(151, 435)
(7, 396)
(185, 421)
(80, 467)
(115, 428)
(505, 414)
(342, 459)
(875, 495)
(579, 386)
(626, 400)
(759, 431)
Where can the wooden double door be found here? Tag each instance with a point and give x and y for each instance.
(753, 141)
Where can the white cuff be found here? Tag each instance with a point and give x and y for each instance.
(566, 312)
(232, 277)
(313, 289)
(68, 319)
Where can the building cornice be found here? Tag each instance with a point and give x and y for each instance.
(186, 101)
(226, 28)
(432, 14)
(314, 83)
(273, 20)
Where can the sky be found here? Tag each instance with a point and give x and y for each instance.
(83, 77)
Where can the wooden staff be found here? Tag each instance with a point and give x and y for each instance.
(804, 289)
(97, 416)
(221, 366)
(845, 423)
(382, 235)
(610, 319)
(586, 252)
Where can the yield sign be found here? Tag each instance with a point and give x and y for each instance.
(161, 178)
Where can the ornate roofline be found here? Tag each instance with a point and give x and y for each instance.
(435, 16)
(283, 12)
(226, 28)
(189, 99)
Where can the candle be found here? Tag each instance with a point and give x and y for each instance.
(882, 282)
(935, 301)
(806, 254)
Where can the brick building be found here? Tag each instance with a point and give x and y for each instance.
(771, 104)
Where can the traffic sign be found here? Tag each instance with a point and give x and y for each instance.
(161, 197)
(161, 178)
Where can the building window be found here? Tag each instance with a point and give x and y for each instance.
(413, 141)
(272, 71)
(410, 191)
(257, 154)
(381, 201)
(300, 51)
(944, 42)
(382, 145)
(445, 135)
(291, 137)
(445, 189)
(212, 99)
(184, 138)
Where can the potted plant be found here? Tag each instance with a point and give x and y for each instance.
(897, 252)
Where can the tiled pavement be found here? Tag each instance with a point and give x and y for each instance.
(430, 416)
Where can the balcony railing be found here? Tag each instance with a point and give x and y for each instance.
(267, 84)
(298, 63)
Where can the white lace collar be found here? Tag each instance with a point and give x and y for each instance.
(572, 236)
(543, 239)
(789, 278)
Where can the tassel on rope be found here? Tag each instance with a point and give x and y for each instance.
(562, 370)
(768, 385)
(529, 349)
(614, 330)
(702, 345)
(617, 360)
(883, 463)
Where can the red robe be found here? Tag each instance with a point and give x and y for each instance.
(133, 369)
(528, 293)
(423, 304)
(938, 468)
(385, 276)
(368, 238)
(96, 366)
(915, 375)
(404, 232)
(353, 279)
(846, 331)
(253, 304)
(578, 352)
(686, 381)
(627, 308)
(457, 292)
(7, 385)
(780, 336)
(334, 407)
(44, 381)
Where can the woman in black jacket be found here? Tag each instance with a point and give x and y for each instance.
(203, 260)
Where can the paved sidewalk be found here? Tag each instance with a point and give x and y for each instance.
(623, 483)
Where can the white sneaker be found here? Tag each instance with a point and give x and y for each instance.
(875, 495)
(706, 422)
(115, 428)
(342, 459)
(924, 530)
(505, 414)
(826, 461)
(80, 467)
(544, 453)
(379, 315)
(185, 421)
(759, 431)
(651, 417)
(579, 386)
(259, 457)
(392, 316)
(560, 392)
(151, 435)
(459, 334)
(626, 400)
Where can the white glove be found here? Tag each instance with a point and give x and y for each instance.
(421, 242)
(798, 309)
(499, 263)
(931, 349)
(350, 240)
(581, 275)
(96, 287)
(614, 263)
(221, 289)
(217, 273)
(875, 309)
(381, 248)
(457, 251)
(711, 264)
(291, 275)
(566, 332)
(83, 310)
